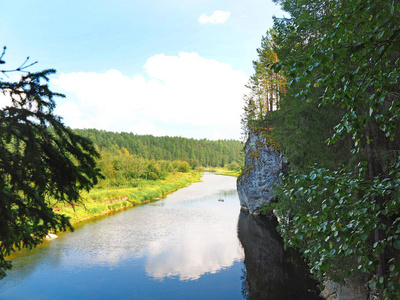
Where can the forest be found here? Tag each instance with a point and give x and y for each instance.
(136, 169)
(326, 89)
(127, 157)
(197, 152)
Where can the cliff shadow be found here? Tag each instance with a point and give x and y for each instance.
(271, 272)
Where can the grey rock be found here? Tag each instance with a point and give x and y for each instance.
(263, 164)
(352, 290)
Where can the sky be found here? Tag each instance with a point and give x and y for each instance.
(175, 68)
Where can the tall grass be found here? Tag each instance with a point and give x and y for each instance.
(226, 171)
(100, 201)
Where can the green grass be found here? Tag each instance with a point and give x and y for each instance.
(100, 201)
(226, 171)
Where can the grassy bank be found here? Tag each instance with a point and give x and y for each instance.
(226, 171)
(100, 201)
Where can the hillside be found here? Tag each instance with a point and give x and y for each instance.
(201, 152)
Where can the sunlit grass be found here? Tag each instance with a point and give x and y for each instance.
(226, 171)
(100, 201)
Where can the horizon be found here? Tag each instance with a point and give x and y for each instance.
(161, 136)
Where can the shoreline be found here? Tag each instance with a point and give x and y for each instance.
(91, 208)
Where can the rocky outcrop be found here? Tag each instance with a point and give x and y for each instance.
(263, 164)
(352, 290)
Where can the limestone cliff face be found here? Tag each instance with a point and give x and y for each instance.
(263, 164)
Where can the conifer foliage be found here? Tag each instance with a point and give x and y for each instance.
(37, 163)
(196, 152)
(265, 86)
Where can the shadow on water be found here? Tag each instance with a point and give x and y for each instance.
(271, 272)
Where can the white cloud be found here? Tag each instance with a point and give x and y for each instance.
(182, 90)
(218, 17)
(5, 100)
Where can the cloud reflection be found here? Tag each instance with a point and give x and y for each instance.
(180, 236)
(203, 248)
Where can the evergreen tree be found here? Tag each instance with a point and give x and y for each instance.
(265, 87)
(41, 161)
(167, 148)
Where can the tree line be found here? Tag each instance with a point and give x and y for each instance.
(196, 152)
(122, 168)
(338, 122)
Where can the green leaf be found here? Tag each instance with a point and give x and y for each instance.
(396, 244)
(372, 284)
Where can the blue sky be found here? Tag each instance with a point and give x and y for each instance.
(174, 68)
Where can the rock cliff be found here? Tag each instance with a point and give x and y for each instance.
(263, 164)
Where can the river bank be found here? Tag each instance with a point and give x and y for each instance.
(101, 201)
(186, 246)
(224, 171)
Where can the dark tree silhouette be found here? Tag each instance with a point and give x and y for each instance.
(41, 162)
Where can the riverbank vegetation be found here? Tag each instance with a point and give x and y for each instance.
(232, 169)
(337, 120)
(227, 172)
(139, 168)
(131, 179)
(102, 200)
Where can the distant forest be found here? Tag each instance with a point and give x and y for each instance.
(198, 152)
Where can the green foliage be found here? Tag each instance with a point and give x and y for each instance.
(226, 171)
(338, 124)
(332, 216)
(265, 87)
(152, 171)
(103, 200)
(195, 152)
(123, 169)
(233, 166)
(181, 166)
(40, 159)
(267, 209)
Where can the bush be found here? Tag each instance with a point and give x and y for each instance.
(181, 166)
(233, 166)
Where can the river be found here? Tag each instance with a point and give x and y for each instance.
(190, 245)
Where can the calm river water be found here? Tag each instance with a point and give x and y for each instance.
(186, 246)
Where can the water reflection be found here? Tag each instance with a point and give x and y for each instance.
(199, 241)
(185, 246)
(185, 237)
(271, 273)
